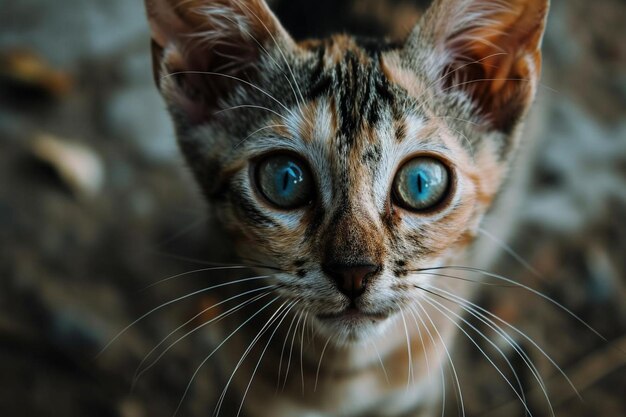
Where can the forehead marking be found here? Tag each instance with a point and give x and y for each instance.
(325, 121)
(352, 77)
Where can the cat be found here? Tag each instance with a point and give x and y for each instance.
(352, 174)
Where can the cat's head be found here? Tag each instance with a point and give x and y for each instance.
(348, 164)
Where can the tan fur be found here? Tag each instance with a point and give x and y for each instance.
(355, 113)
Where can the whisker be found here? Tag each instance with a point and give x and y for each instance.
(206, 359)
(497, 79)
(489, 284)
(280, 50)
(282, 351)
(319, 365)
(232, 77)
(500, 332)
(267, 52)
(203, 290)
(515, 329)
(451, 73)
(262, 265)
(419, 332)
(508, 249)
(432, 339)
(454, 372)
(243, 399)
(433, 303)
(527, 288)
(254, 341)
(232, 310)
(463, 135)
(182, 232)
(196, 271)
(293, 338)
(408, 349)
(471, 122)
(210, 263)
(257, 131)
(380, 360)
(250, 106)
(302, 350)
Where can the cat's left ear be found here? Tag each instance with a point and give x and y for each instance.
(204, 49)
(487, 50)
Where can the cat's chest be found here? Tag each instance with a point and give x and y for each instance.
(356, 399)
(366, 393)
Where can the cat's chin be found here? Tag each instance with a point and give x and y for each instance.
(352, 326)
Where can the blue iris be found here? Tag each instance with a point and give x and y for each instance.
(284, 181)
(421, 183)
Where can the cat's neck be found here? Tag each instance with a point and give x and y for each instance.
(303, 367)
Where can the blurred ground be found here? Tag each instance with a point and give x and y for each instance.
(77, 246)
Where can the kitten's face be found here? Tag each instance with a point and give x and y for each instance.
(346, 165)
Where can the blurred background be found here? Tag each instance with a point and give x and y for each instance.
(96, 204)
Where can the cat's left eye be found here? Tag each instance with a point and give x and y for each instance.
(285, 181)
(421, 184)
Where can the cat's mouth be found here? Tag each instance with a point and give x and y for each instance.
(353, 314)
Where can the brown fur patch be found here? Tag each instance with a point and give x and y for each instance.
(400, 74)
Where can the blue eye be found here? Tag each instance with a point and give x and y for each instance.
(284, 181)
(421, 184)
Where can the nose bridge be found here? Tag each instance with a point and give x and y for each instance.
(352, 238)
(353, 252)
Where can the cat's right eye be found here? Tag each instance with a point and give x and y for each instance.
(285, 181)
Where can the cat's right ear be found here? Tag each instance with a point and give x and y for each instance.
(203, 49)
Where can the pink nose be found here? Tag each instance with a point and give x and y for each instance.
(351, 279)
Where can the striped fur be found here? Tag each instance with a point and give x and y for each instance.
(239, 87)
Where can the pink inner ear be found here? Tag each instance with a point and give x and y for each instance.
(499, 63)
(199, 39)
